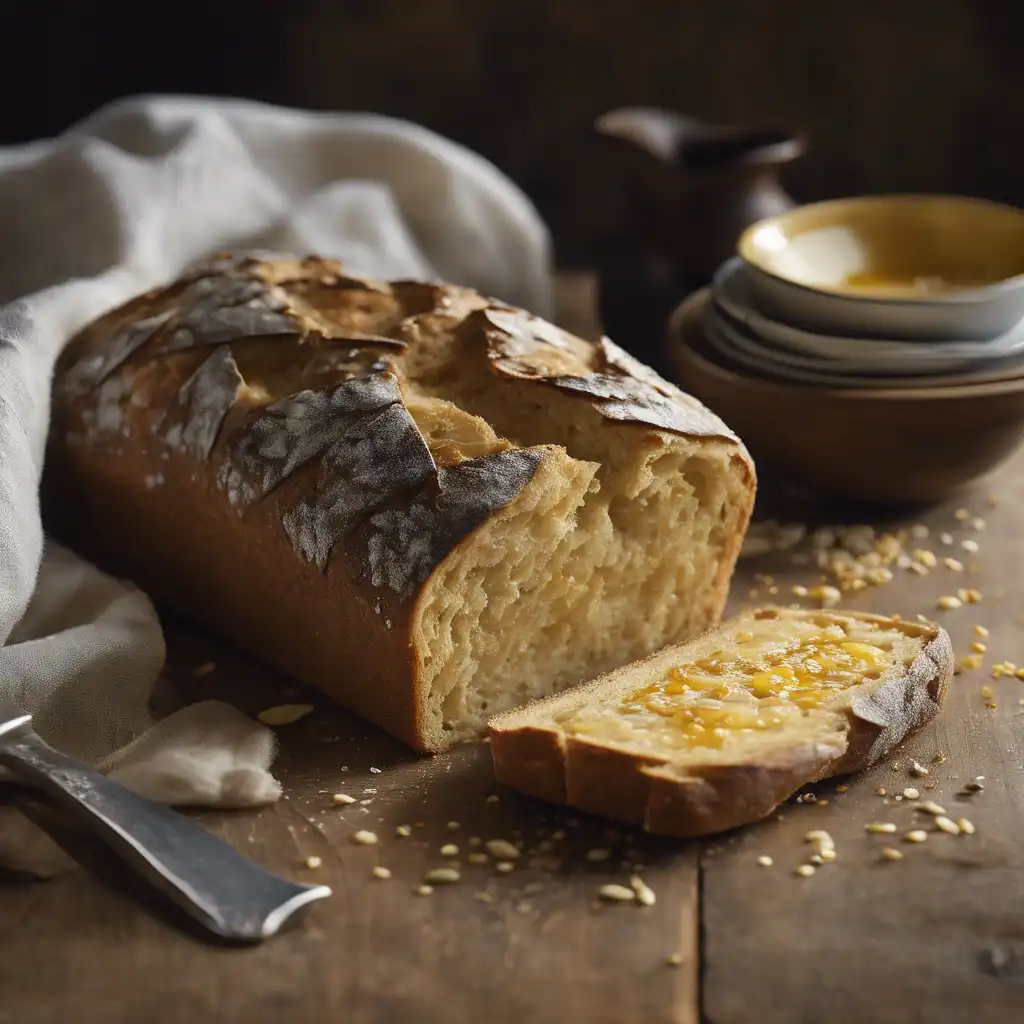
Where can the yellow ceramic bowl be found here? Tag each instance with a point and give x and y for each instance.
(916, 266)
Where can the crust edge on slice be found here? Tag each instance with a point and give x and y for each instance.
(534, 755)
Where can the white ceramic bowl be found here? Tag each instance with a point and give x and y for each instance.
(741, 348)
(731, 291)
(906, 267)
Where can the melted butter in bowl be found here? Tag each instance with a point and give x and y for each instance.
(911, 285)
(900, 267)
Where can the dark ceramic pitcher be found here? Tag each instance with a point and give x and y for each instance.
(690, 190)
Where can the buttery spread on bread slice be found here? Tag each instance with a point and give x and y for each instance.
(717, 732)
(770, 675)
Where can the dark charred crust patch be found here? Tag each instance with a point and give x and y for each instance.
(203, 402)
(404, 545)
(621, 388)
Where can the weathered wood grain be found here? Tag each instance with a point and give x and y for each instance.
(82, 948)
(939, 935)
(921, 95)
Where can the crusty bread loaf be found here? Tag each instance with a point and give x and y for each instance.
(427, 504)
(715, 733)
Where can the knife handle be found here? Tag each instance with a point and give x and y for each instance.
(233, 897)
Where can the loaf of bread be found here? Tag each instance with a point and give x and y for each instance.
(424, 503)
(716, 733)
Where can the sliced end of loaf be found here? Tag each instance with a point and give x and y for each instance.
(645, 768)
(594, 564)
(622, 542)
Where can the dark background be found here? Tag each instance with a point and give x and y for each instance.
(895, 95)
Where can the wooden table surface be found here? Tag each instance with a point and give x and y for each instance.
(935, 937)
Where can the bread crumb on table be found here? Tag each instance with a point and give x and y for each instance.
(806, 870)
(379, 871)
(886, 827)
(313, 862)
(365, 838)
(342, 799)
(403, 831)
(819, 837)
(827, 596)
(284, 714)
(644, 893)
(615, 893)
(765, 861)
(916, 836)
(890, 853)
(449, 850)
(501, 849)
(441, 876)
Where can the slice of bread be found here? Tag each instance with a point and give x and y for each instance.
(717, 732)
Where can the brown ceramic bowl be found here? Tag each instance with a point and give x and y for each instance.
(880, 445)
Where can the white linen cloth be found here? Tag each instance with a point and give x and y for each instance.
(122, 202)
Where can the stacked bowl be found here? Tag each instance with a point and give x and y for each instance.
(873, 347)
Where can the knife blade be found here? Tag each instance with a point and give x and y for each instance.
(230, 895)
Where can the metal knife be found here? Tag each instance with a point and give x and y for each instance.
(227, 893)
